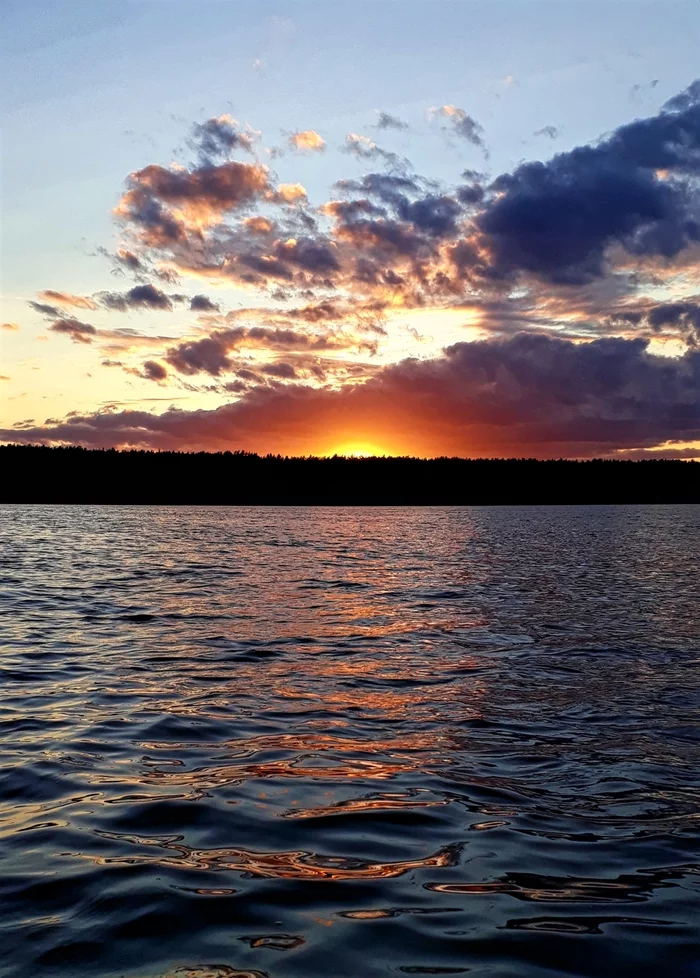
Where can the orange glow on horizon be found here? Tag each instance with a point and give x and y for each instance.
(357, 449)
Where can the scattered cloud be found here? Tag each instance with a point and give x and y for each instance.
(165, 205)
(44, 309)
(551, 132)
(307, 140)
(212, 354)
(73, 328)
(145, 296)
(388, 121)
(152, 370)
(289, 193)
(366, 149)
(218, 137)
(462, 125)
(67, 299)
(202, 303)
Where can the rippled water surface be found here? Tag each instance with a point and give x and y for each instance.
(309, 743)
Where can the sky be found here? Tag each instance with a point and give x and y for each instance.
(368, 227)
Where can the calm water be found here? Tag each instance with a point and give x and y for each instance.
(316, 743)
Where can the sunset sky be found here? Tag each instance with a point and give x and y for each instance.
(464, 228)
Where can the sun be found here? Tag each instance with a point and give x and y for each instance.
(356, 449)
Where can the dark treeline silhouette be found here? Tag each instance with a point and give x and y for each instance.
(36, 474)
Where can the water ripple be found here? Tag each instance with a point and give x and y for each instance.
(344, 743)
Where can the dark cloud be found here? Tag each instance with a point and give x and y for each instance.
(682, 317)
(527, 395)
(388, 121)
(129, 260)
(167, 205)
(211, 354)
(436, 215)
(202, 303)
(636, 189)
(140, 297)
(77, 331)
(44, 308)
(218, 137)
(309, 254)
(283, 371)
(152, 370)
(400, 198)
(685, 99)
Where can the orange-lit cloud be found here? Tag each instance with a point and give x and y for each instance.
(307, 139)
(67, 299)
(289, 193)
(528, 395)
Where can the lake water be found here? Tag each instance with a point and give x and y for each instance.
(350, 743)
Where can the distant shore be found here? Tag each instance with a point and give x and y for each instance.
(36, 474)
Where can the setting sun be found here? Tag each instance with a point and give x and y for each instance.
(357, 449)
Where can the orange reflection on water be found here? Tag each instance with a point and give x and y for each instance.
(355, 805)
(296, 865)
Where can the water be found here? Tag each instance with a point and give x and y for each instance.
(319, 743)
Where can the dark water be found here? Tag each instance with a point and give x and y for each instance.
(317, 743)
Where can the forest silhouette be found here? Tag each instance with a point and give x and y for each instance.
(38, 474)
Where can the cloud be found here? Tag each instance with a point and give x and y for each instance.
(145, 296)
(366, 149)
(202, 303)
(129, 260)
(9, 326)
(526, 395)
(44, 308)
(551, 132)
(152, 370)
(558, 219)
(167, 205)
(282, 370)
(289, 193)
(218, 137)
(683, 318)
(462, 125)
(259, 224)
(388, 121)
(307, 140)
(67, 299)
(77, 331)
(211, 354)
(686, 99)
